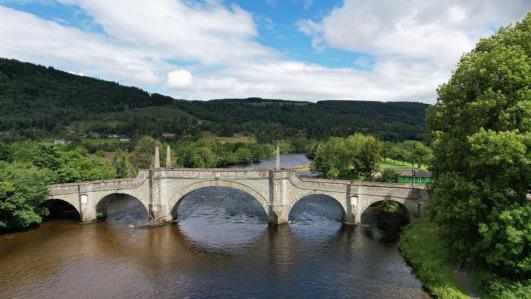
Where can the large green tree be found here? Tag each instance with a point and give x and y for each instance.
(354, 157)
(416, 153)
(22, 189)
(480, 135)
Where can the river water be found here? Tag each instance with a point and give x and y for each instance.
(221, 247)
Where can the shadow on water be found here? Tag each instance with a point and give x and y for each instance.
(383, 221)
(59, 209)
(122, 210)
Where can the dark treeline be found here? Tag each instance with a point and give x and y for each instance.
(271, 120)
(38, 102)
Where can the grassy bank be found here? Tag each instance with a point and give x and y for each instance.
(434, 265)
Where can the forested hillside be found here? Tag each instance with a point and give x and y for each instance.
(39, 102)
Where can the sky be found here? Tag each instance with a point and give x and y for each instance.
(384, 50)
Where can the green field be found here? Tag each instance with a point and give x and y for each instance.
(390, 163)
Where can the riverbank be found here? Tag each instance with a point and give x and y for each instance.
(425, 251)
(439, 272)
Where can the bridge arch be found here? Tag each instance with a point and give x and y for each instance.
(103, 201)
(406, 205)
(48, 203)
(175, 200)
(306, 196)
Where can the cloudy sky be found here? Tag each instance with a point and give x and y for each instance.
(291, 49)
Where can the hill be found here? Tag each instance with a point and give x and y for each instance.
(39, 102)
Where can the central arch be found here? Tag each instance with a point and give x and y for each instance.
(177, 197)
(309, 197)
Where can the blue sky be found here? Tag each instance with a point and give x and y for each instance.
(291, 49)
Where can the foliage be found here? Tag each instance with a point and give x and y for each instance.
(388, 176)
(354, 157)
(492, 286)
(121, 162)
(27, 169)
(142, 155)
(210, 153)
(38, 102)
(66, 165)
(426, 251)
(480, 136)
(22, 189)
(389, 206)
(416, 152)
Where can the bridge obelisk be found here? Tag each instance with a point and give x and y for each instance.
(156, 158)
(277, 161)
(168, 157)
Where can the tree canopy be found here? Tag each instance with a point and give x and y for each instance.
(353, 157)
(480, 136)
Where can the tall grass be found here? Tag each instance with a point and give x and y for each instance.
(426, 252)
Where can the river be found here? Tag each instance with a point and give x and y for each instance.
(221, 247)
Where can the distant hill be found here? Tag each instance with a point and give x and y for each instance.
(38, 102)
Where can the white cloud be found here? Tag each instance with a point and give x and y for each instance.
(208, 32)
(179, 79)
(29, 38)
(296, 80)
(438, 31)
(415, 45)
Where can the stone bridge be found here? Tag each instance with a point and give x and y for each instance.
(160, 190)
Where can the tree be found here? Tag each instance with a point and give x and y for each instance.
(354, 157)
(415, 152)
(480, 133)
(142, 156)
(121, 163)
(22, 189)
(398, 153)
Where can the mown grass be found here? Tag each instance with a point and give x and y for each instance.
(426, 252)
(390, 163)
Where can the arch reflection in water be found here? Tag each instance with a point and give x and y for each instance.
(383, 220)
(59, 209)
(316, 218)
(220, 219)
(122, 209)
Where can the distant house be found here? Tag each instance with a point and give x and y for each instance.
(124, 139)
(168, 135)
(60, 141)
(413, 175)
(113, 136)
